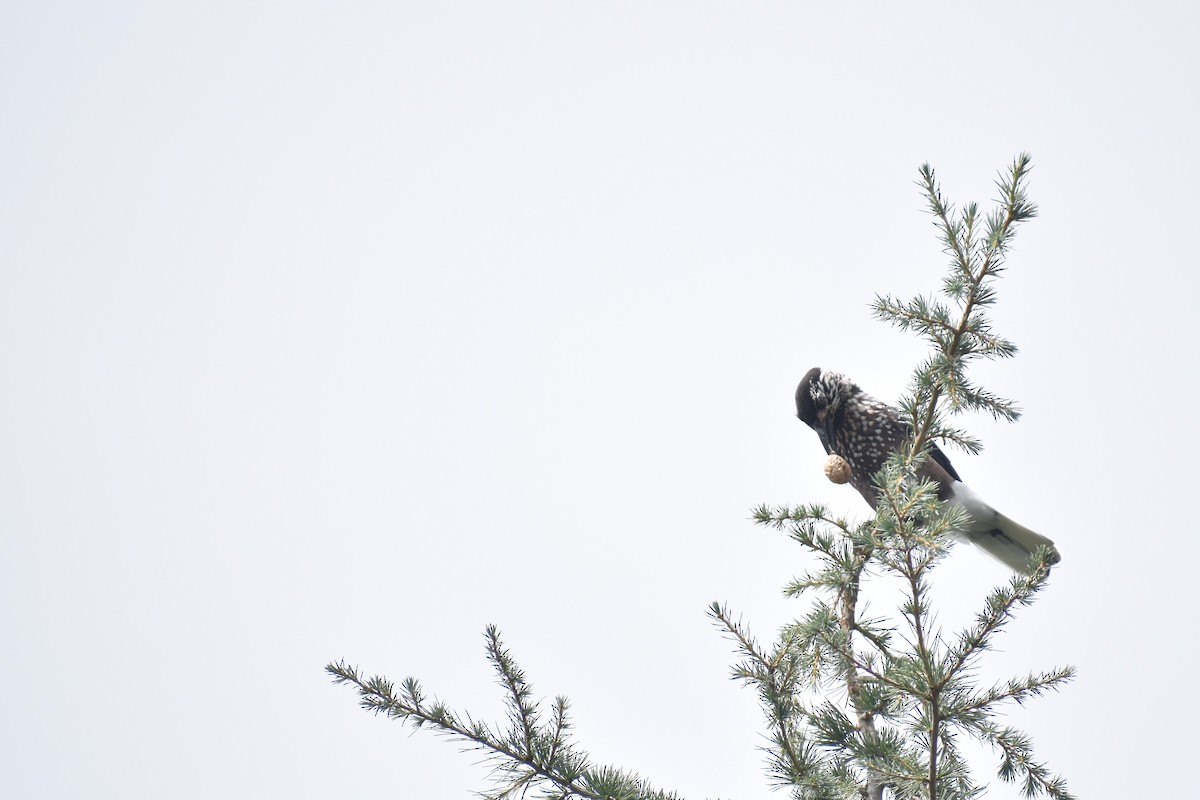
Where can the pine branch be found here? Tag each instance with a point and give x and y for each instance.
(970, 283)
(531, 756)
(1016, 690)
(998, 611)
(1017, 763)
(793, 761)
(523, 713)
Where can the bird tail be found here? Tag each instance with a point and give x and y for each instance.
(1009, 542)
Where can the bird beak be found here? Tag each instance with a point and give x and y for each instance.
(824, 432)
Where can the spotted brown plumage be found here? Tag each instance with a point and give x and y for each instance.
(866, 431)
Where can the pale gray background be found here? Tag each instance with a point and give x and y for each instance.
(340, 330)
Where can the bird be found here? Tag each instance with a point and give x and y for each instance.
(866, 431)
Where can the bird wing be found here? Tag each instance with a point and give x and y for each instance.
(936, 453)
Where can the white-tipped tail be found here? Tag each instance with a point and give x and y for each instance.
(997, 535)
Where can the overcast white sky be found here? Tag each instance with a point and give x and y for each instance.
(341, 330)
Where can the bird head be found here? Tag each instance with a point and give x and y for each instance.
(818, 399)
